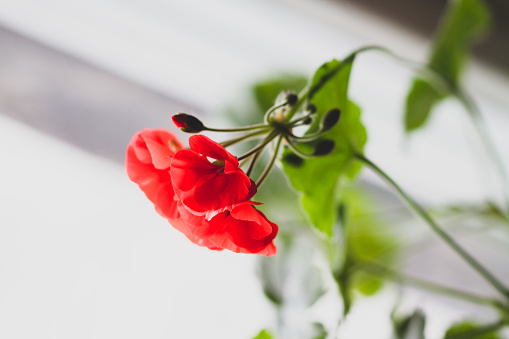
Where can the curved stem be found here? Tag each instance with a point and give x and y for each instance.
(260, 146)
(243, 138)
(253, 162)
(474, 113)
(291, 145)
(267, 170)
(374, 268)
(489, 145)
(271, 110)
(441, 233)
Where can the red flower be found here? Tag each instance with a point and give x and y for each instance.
(148, 161)
(241, 228)
(206, 187)
(207, 202)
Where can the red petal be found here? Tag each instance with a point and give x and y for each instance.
(210, 148)
(252, 231)
(155, 183)
(188, 168)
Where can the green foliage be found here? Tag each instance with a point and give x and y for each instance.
(366, 238)
(463, 23)
(410, 327)
(472, 331)
(421, 99)
(316, 178)
(320, 331)
(264, 334)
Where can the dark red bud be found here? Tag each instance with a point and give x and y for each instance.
(187, 123)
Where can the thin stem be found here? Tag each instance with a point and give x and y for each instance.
(267, 170)
(260, 146)
(242, 138)
(271, 110)
(441, 233)
(304, 117)
(253, 162)
(489, 145)
(377, 269)
(295, 150)
(474, 113)
(238, 129)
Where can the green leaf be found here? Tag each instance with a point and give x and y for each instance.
(472, 330)
(368, 237)
(320, 331)
(316, 178)
(421, 99)
(463, 22)
(411, 327)
(264, 334)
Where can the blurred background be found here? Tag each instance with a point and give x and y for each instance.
(83, 253)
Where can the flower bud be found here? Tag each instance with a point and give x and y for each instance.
(293, 159)
(291, 98)
(330, 119)
(324, 147)
(311, 108)
(187, 123)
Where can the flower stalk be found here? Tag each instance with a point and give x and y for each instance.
(438, 230)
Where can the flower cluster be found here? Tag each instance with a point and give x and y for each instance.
(203, 191)
(209, 202)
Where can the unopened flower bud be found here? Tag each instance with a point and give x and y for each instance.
(293, 159)
(311, 108)
(324, 147)
(187, 123)
(330, 119)
(291, 98)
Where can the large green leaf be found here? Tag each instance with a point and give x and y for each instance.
(463, 22)
(316, 178)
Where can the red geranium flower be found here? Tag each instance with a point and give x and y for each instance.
(148, 161)
(206, 187)
(241, 229)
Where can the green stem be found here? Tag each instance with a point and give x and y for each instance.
(291, 145)
(489, 145)
(267, 170)
(243, 138)
(238, 129)
(260, 146)
(377, 269)
(441, 233)
(253, 162)
(474, 113)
